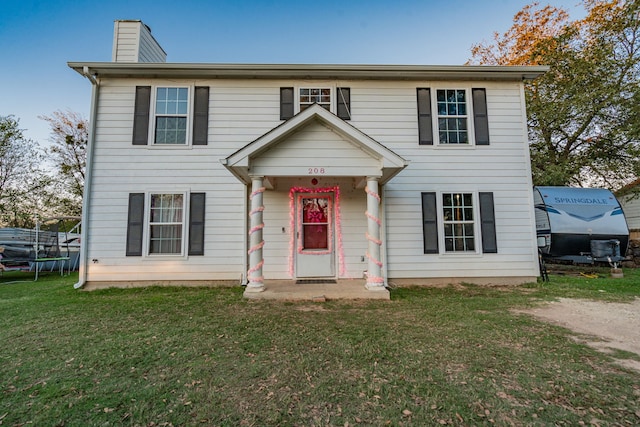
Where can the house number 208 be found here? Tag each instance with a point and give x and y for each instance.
(316, 171)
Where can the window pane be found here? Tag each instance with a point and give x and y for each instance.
(171, 130)
(453, 137)
(452, 120)
(171, 110)
(448, 245)
(470, 244)
(165, 228)
(463, 138)
(315, 216)
(468, 230)
(315, 236)
(458, 222)
(166, 239)
(320, 96)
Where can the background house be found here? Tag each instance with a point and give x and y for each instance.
(246, 173)
(630, 202)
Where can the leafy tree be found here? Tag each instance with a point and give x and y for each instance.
(584, 114)
(69, 136)
(23, 184)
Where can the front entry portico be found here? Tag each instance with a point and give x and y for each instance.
(329, 156)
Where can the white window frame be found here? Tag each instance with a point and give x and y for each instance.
(148, 224)
(469, 117)
(154, 115)
(477, 242)
(332, 92)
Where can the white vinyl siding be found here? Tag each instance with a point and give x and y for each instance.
(133, 42)
(240, 111)
(631, 207)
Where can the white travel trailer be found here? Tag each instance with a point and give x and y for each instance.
(580, 224)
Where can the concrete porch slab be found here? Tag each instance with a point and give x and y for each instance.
(288, 290)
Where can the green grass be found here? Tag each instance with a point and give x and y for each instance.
(190, 356)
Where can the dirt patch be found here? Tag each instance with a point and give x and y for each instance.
(605, 326)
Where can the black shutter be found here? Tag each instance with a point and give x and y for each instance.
(343, 109)
(201, 115)
(135, 224)
(425, 126)
(141, 115)
(480, 117)
(286, 103)
(488, 224)
(196, 224)
(430, 223)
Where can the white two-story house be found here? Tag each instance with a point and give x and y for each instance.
(255, 173)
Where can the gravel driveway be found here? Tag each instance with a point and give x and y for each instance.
(602, 325)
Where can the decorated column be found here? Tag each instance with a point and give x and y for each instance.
(256, 261)
(375, 281)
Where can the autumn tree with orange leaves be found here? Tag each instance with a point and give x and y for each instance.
(584, 114)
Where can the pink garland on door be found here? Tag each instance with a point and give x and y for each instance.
(292, 223)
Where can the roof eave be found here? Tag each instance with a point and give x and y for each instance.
(309, 71)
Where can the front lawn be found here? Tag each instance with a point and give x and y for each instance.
(203, 356)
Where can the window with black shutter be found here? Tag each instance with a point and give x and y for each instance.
(488, 223)
(201, 115)
(430, 223)
(425, 125)
(286, 103)
(141, 115)
(135, 224)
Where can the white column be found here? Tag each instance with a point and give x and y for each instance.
(255, 280)
(375, 281)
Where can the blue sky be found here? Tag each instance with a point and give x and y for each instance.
(37, 38)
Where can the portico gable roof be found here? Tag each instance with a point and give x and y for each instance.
(388, 163)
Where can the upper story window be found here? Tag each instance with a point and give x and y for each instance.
(334, 99)
(452, 116)
(171, 115)
(310, 96)
(459, 116)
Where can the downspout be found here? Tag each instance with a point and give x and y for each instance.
(95, 86)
